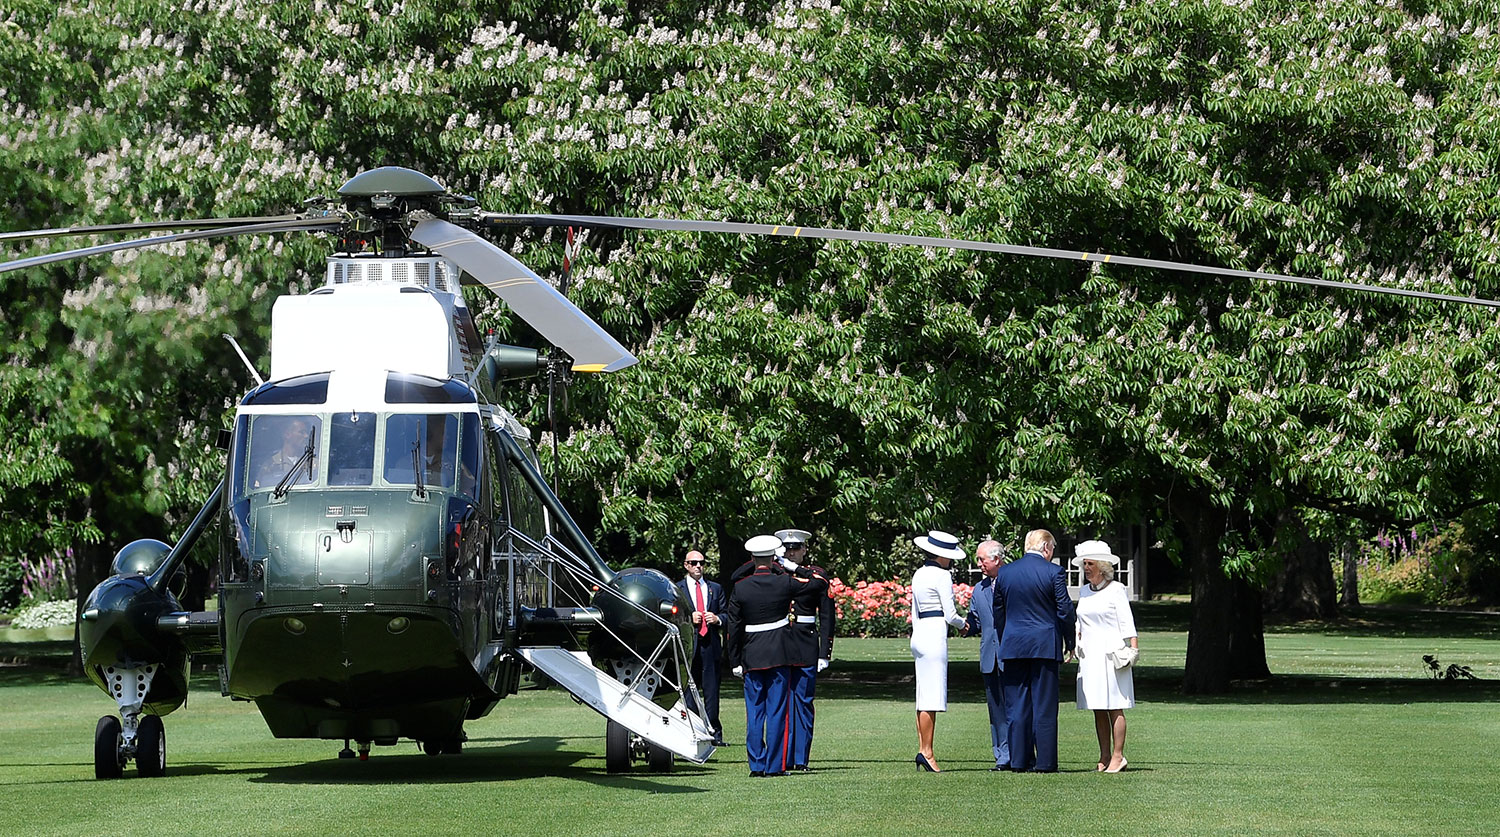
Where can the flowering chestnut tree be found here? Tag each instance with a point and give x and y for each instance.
(863, 392)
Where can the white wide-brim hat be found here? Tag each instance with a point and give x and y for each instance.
(1094, 551)
(941, 544)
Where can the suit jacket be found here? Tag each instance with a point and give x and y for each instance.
(716, 604)
(982, 621)
(1033, 613)
(764, 598)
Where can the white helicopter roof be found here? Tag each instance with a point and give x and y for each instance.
(374, 315)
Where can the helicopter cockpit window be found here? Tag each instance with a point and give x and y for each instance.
(468, 466)
(351, 449)
(405, 388)
(303, 389)
(283, 448)
(430, 441)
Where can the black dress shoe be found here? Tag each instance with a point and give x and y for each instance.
(719, 742)
(770, 773)
(802, 768)
(999, 767)
(757, 774)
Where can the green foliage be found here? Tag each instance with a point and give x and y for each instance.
(860, 391)
(1450, 564)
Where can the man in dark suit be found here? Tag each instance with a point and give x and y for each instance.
(810, 646)
(757, 647)
(709, 608)
(1034, 617)
(981, 621)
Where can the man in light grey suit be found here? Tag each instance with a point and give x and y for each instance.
(982, 622)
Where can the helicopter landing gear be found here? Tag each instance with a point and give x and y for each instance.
(616, 747)
(364, 751)
(133, 735)
(443, 746)
(151, 747)
(621, 747)
(658, 759)
(107, 749)
(346, 753)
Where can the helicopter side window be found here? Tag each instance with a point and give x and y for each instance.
(280, 445)
(351, 449)
(469, 457)
(430, 441)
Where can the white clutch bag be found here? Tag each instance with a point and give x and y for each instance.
(1123, 657)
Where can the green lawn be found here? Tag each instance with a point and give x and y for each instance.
(1350, 737)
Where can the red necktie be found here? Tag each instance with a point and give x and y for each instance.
(703, 623)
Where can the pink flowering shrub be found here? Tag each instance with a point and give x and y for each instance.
(881, 608)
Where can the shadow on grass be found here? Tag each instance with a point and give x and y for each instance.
(1369, 620)
(519, 759)
(890, 681)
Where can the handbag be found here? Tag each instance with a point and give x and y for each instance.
(1123, 657)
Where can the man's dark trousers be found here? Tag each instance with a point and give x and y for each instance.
(1030, 686)
(705, 669)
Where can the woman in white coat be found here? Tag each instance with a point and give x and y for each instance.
(932, 611)
(1105, 624)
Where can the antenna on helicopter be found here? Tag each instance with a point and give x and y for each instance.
(259, 381)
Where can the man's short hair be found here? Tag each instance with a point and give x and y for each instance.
(987, 547)
(1037, 539)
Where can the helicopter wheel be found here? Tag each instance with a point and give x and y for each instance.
(151, 747)
(658, 759)
(107, 748)
(616, 747)
(443, 746)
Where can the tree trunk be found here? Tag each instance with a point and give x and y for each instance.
(1303, 588)
(731, 554)
(91, 563)
(1208, 650)
(1349, 557)
(1247, 633)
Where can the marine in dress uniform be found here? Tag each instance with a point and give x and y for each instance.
(810, 647)
(757, 647)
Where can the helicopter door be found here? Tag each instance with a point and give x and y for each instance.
(525, 572)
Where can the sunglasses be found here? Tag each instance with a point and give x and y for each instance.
(694, 563)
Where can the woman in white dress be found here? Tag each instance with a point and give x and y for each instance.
(1104, 624)
(932, 611)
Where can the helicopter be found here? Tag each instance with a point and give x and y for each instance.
(392, 561)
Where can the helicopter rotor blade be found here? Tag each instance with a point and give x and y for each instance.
(103, 229)
(324, 224)
(494, 219)
(546, 310)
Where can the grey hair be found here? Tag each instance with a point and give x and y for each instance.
(1106, 570)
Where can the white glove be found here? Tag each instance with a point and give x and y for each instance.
(822, 664)
(789, 566)
(1078, 651)
(738, 671)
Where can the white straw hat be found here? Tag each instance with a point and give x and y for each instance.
(939, 543)
(1094, 551)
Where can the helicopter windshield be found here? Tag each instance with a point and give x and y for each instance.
(362, 449)
(276, 444)
(431, 440)
(351, 449)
